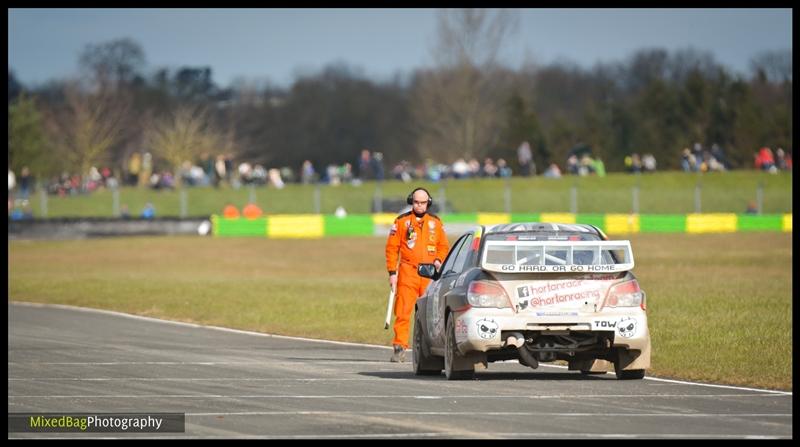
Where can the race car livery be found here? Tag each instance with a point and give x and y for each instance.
(535, 292)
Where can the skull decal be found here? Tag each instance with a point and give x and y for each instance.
(487, 328)
(626, 327)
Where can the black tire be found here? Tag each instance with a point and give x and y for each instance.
(424, 363)
(451, 355)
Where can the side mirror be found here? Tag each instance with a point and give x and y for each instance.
(428, 271)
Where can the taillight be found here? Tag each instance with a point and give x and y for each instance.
(626, 294)
(487, 294)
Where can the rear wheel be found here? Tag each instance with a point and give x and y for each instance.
(452, 356)
(425, 364)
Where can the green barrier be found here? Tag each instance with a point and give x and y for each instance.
(239, 226)
(364, 224)
(355, 225)
(667, 223)
(768, 222)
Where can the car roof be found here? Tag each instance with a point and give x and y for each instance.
(540, 227)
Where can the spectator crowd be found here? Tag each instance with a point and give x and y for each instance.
(139, 170)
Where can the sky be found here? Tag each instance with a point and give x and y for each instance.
(275, 45)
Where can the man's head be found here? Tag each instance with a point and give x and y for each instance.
(420, 200)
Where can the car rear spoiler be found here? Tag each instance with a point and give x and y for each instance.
(557, 256)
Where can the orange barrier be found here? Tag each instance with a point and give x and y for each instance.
(230, 212)
(252, 211)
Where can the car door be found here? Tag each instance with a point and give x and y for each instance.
(450, 270)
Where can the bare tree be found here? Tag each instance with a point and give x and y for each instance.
(457, 106)
(184, 136)
(774, 66)
(455, 115)
(112, 69)
(472, 36)
(112, 64)
(87, 125)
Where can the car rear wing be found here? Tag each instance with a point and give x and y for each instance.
(557, 256)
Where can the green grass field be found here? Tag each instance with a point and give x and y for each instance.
(719, 305)
(659, 193)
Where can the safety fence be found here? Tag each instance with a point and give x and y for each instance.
(318, 225)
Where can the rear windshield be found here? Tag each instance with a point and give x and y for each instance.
(524, 253)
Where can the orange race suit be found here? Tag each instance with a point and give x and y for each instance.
(412, 241)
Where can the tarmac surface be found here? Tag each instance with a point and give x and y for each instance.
(236, 384)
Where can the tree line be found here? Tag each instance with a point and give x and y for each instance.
(468, 104)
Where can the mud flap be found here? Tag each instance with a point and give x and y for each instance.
(630, 359)
(596, 365)
(479, 360)
(472, 360)
(626, 359)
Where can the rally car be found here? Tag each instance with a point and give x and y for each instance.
(535, 292)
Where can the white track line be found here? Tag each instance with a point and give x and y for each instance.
(260, 334)
(193, 325)
(713, 385)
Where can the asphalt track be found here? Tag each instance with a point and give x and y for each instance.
(235, 384)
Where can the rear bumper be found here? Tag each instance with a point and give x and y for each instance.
(485, 329)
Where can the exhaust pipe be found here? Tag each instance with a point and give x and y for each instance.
(527, 357)
(516, 339)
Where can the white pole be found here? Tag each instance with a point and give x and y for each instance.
(43, 201)
(115, 202)
(316, 199)
(252, 195)
(378, 198)
(507, 195)
(697, 202)
(184, 203)
(760, 198)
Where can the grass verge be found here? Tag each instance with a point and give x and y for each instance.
(658, 193)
